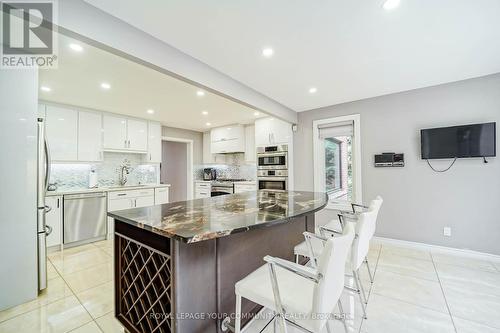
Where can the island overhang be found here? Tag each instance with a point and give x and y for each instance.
(202, 219)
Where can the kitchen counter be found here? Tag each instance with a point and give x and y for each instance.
(198, 220)
(179, 261)
(64, 191)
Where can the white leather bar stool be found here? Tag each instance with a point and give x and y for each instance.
(302, 249)
(300, 296)
(365, 224)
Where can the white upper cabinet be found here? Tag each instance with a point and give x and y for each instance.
(137, 131)
(270, 131)
(62, 133)
(89, 136)
(228, 139)
(154, 142)
(208, 157)
(114, 132)
(250, 151)
(121, 133)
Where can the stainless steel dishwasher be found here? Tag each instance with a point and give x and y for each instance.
(84, 217)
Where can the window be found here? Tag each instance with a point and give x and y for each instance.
(338, 167)
(333, 165)
(335, 153)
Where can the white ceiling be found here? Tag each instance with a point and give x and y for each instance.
(134, 90)
(348, 49)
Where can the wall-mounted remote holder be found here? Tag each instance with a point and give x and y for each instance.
(390, 160)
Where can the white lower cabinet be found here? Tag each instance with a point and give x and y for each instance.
(148, 201)
(120, 200)
(161, 195)
(202, 190)
(53, 219)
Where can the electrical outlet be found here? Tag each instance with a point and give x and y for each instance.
(447, 231)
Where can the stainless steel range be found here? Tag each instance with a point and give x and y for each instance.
(223, 186)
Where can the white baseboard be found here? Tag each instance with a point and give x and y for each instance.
(438, 249)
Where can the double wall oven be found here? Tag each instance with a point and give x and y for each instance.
(272, 168)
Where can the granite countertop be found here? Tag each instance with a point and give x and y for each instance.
(63, 191)
(202, 219)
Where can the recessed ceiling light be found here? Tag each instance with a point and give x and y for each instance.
(205, 113)
(256, 114)
(267, 52)
(105, 85)
(76, 47)
(45, 88)
(200, 93)
(150, 111)
(391, 4)
(313, 90)
(208, 124)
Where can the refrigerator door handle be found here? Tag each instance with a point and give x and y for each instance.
(47, 164)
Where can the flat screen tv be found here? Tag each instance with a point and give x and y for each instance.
(477, 140)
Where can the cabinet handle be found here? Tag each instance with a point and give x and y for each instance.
(58, 202)
(129, 143)
(125, 144)
(150, 157)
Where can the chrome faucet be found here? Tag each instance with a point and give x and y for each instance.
(123, 171)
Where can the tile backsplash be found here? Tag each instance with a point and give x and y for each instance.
(76, 176)
(234, 168)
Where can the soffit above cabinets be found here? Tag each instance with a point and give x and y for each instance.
(348, 50)
(135, 90)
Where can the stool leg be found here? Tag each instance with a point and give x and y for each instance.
(369, 270)
(237, 326)
(342, 315)
(362, 301)
(328, 328)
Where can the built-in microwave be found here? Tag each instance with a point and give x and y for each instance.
(272, 157)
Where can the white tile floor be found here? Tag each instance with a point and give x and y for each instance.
(414, 291)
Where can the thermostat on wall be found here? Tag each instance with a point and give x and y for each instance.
(390, 160)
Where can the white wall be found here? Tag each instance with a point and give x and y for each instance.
(419, 202)
(88, 21)
(18, 211)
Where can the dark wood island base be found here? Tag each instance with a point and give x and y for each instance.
(167, 284)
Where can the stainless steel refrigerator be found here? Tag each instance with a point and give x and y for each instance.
(43, 230)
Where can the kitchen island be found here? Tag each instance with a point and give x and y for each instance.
(176, 264)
